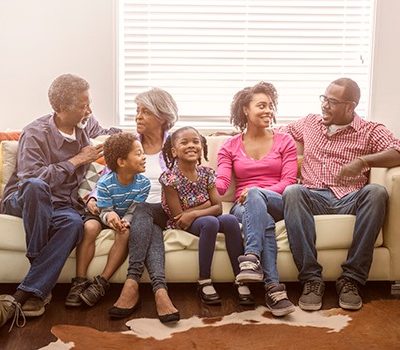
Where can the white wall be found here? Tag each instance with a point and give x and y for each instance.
(385, 99)
(40, 40)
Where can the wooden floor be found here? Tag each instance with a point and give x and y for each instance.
(37, 333)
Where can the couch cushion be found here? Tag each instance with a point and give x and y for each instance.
(12, 233)
(8, 157)
(333, 232)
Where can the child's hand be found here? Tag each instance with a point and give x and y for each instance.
(114, 221)
(125, 224)
(125, 230)
(243, 196)
(185, 219)
(92, 206)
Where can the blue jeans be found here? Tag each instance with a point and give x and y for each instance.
(258, 214)
(206, 228)
(51, 234)
(300, 204)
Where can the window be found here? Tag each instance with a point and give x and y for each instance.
(203, 52)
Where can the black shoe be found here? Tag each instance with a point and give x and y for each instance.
(119, 312)
(209, 299)
(169, 318)
(244, 294)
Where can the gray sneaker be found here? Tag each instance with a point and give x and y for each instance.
(277, 301)
(250, 269)
(79, 284)
(97, 289)
(349, 295)
(11, 309)
(35, 306)
(311, 298)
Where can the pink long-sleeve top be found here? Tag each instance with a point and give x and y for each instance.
(274, 171)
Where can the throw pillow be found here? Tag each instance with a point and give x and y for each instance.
(10, 136)
(89, 182)
(94, 172)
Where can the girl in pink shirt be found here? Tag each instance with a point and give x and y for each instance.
(263, 162)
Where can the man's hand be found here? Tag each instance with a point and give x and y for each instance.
(91, 205)
(351, 170)
(185, 219)
(88, 154)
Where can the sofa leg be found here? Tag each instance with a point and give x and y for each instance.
(395, 290)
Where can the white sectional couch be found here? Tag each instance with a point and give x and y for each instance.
(334, 235)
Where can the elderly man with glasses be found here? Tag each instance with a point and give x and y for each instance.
(339, 150)
(54, 154)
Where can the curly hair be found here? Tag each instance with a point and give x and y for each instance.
(118, 146)
(65, 90)
(242, 99)
(170, 141)
(161, 104)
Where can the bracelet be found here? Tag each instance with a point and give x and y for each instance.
(365, 163)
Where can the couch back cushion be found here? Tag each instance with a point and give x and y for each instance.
(214, 143)
(8, 157)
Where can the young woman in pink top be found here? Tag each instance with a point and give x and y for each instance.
(263, 162)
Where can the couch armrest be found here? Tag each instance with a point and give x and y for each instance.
(391, 228)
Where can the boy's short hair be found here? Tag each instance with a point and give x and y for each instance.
(118, 146)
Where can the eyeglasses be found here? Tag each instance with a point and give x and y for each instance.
(332, 101)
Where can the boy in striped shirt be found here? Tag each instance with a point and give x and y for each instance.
(118, 192)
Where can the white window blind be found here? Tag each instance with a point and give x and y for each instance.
(203, 52)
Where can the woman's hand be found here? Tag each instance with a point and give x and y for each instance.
(91, 205)
(243, 196)
(184, 220)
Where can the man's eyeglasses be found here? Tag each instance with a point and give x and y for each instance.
(332, 101)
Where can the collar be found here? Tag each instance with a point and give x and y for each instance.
(58, 138)
(356, 123)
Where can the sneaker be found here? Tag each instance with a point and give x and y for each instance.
(250, 269)
(349, 294)
(277, 301)
(11, 309)
(311, 298)
(79, 284)
(35, 306)
(97, 289)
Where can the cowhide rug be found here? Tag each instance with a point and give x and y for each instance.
(375, 326)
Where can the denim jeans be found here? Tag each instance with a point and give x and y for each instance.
(258, 214)
(300, 204)
(146, 246)
(51, 234)
(206, 228)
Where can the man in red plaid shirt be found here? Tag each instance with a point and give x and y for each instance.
(339, 150)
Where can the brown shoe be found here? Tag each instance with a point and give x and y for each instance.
(11, 309)
(35, 306)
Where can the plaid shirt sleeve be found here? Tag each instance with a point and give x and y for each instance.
(382, 139)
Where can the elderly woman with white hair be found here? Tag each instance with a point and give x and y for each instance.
(156, 114)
